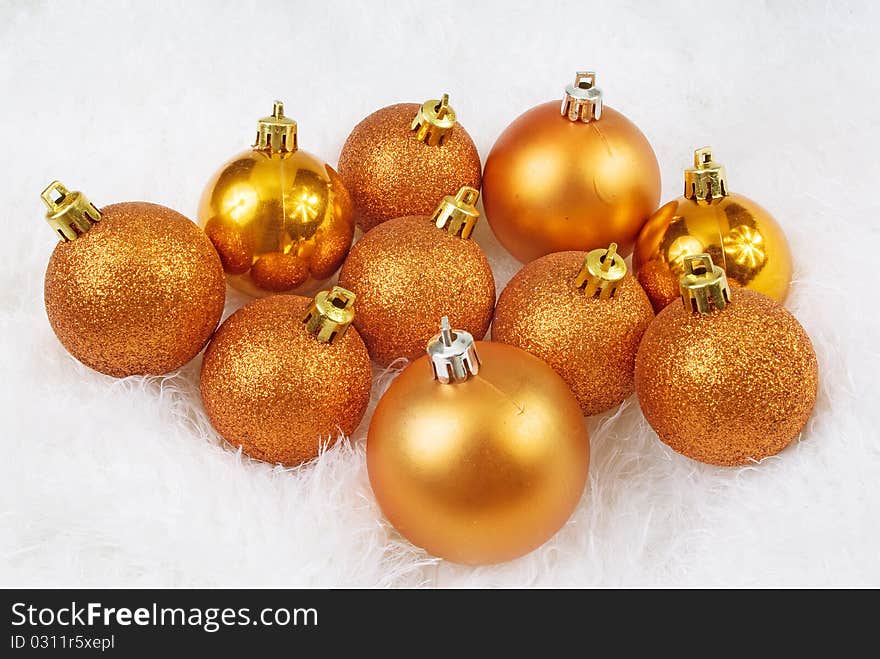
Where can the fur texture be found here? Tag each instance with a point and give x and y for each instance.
(124, 483)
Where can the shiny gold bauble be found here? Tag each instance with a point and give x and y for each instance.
(270, 387)
(484, 470)
(730, 387)
(407, 274)
(552, 184)
(741, 236)
(281, 220)
(590, 340)
(392, 171)
(139, 293)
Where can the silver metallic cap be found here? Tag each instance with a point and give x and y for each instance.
(582, 100)
(453, 354)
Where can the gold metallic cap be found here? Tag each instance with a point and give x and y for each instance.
(707, 180)
(703, 285)
(453, 354)
(330, 314)
(458, 214)
(70, 213)
(433, 120)
(602, 272)
(582, 100)
(276, 133)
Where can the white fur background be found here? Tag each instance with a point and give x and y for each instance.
(124, 483)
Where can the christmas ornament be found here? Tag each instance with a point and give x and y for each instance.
(280, 218)
(285, 375)
(735, 231)
(401, 159)
(578, 180)
(131, 289)
(584, 315)
(728, 377)
(409, 271)
(477, 458)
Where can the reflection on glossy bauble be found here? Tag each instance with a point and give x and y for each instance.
(740, 235)
(280, 218)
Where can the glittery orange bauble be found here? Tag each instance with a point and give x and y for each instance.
(139, 293)
(280, 218)
(407, 274)
(392, 172)
(588, 337)
(729, 387)
(272, 388)
(553, 184)
(484, 470)
(741, 236)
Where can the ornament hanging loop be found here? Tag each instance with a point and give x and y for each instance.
(330, 314)
(276, 133)
(70, 214)
(706, 180)
(433, 121)
(458, 215)
(602, 272)
(703, 285)
(453, 354)
(582, 100)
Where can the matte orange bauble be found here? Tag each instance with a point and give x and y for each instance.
(725, 375)
(739, 234)
(410, 271)
(583, 314)
(576, 180)
(401, 159)
(285, 375)
(280, 218)
(477, 458)
(132, 289)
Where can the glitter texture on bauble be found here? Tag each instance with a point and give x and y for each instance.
(401, 159)
(583, 314)
(727, 377)
(132, 289)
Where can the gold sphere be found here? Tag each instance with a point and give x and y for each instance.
(588, 333)
(137, 293)
(280, 218)
(272, 388)
(393, 166)
(741, 236)
(483, 470)
(729, 386)
(553, 184)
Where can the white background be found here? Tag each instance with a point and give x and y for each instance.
(106, 482)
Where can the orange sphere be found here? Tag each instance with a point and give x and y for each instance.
(391, 173)
(138, 294)
(741, 236)
(730, 387)
(480, 471)
(552, 184)
(590, 342)
(271, 387)
(407, 274)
